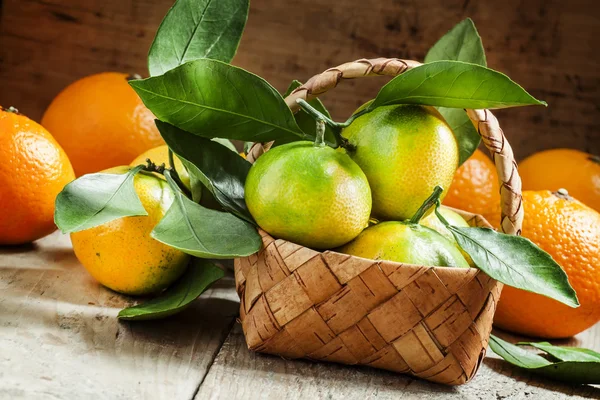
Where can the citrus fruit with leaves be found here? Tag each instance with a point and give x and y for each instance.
(33, 170)
(574, 170)
(101, 122)
(568, 230)
(308, 194)
(407, 242)
(475, 186)
(121, 254)
(453, 218)
(405, 151)
(160, 155)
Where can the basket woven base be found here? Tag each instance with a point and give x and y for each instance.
(430, 322)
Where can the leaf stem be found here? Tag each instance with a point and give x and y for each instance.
(320, 140)
(432, 200)
(336, 127)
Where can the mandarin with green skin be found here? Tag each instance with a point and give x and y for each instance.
(405, 151)
(122, 255)
(405, 242)
(311, 195)
(453, 218)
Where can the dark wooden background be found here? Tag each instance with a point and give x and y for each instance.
(549, 46)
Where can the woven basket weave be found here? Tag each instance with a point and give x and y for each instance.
(427, 321)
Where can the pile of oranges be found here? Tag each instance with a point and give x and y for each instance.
(99, 122)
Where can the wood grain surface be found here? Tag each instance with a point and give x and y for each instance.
(60, 339)
(548, 46)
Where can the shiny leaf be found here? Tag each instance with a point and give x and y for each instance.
(198, 277)
(211, 99)
(194, 29)
(95, 199)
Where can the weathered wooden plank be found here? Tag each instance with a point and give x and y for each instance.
(60, 338)
(240, 374)
(549, 46)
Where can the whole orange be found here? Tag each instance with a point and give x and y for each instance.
(475, 185)
(101, 122)
(574, 170)
(33, 170)
(570, 232)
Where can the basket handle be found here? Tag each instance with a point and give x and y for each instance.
(485, 122)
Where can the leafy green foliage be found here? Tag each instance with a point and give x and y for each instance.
(565, 353)
(198, 277)
(454, 84)
(222, 171)
(194, 29)
(308, 123)
(461, 43)
(205, 233)
(211, 99)
(95, 199)
(574, 365)
(515, 261)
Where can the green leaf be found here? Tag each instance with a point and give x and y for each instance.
(578, 372)
(461, 43)
(194, 29)
(565, 353)
(95, 199)
(205, 233)
(222, 171)
(308, 123)
(515, 261)
(453, 84)
(211, 99)
(198, 277)
(227, 143)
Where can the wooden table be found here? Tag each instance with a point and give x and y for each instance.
(60, 339)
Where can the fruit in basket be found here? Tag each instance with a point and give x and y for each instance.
(574, 170)
(160, 155)
(308, 194)
(408, 241)
(569, 231)
(405, 243)
(475, 186)
(101, 122)
(121, 255)
(405, 151)
(33, 170)
(433, 222)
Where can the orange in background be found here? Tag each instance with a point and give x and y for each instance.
(475, 186)
(570, 232)
(101, 122)
(574, 170)
(33, 170)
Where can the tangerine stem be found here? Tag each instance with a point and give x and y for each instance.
(336, 127)
(427, 204)
(320, 140)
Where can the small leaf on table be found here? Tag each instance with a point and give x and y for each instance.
(211, 99)
(194, 29)
(565, 353)
(198, 277)
(515, 261)
(461, 43)
(205, 233)
(454, 84)
(222, 171)
(308, 123)
(95, 199)
(575, 370)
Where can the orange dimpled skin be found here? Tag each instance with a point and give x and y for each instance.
(101, 122)
(574, 170)
(33, 170)
(475, 186)
(122, 255)
(570, 232)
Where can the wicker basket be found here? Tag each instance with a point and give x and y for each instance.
(427, 321)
